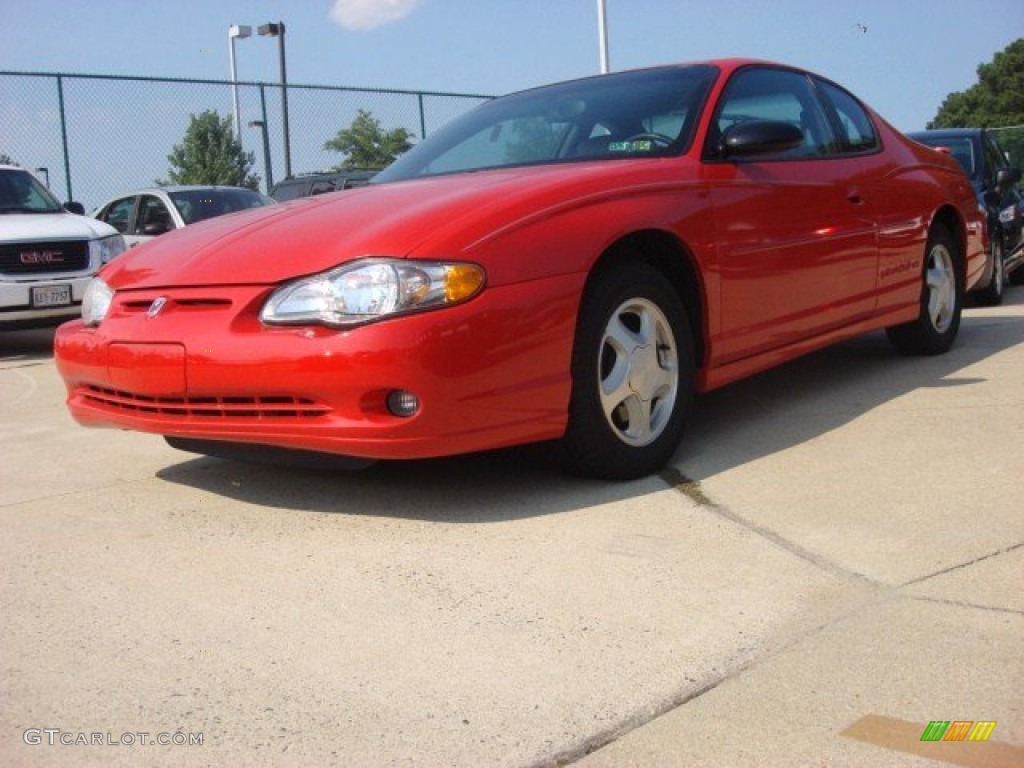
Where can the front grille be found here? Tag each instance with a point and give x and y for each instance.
(243, 408)
(44, 258)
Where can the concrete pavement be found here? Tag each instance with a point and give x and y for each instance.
(834, 559)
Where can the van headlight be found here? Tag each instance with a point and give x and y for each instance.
(108, 247)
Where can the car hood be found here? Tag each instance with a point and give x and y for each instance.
(438, 217)
(34, 227)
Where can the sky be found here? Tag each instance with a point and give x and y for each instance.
(912, 54)
(902, 57)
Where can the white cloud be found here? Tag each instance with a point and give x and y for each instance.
(369, 14)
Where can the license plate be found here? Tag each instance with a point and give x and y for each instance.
(51, 296)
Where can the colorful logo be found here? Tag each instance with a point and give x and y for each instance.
(958, 730)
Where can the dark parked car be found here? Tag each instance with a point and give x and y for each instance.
(319, 183)
(995, 183)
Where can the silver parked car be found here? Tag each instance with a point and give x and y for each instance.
(147, 213)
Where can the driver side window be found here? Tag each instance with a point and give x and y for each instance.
(775, 95)
(119, 214)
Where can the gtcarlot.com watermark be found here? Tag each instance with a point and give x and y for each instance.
(58, 736)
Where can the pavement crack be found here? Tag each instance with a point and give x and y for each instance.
(689, 488)
(692, 490)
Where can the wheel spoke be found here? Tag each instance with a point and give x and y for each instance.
(620, 336)
(639, 416)
(615, 386)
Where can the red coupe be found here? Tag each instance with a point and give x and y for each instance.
(570, 264)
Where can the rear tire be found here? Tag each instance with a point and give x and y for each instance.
(632, 373)
(936, 326)
(1016, 277)
(992, 294)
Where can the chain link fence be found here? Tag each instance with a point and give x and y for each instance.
(92, 137)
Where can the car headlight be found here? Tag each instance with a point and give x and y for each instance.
(96, 301)
(372, 289)
(108, 247)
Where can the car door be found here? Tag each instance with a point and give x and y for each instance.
(797, 250)
(152, 219)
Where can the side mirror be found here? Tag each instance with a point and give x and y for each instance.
(155, 229)
(759, 137)
(1006, 178)
(74, 207)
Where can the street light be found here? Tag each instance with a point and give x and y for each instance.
(277, 30)
(266, 151)
(46, 173)
(236, 31)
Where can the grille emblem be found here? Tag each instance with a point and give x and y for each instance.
(41, 257)
(156, 307)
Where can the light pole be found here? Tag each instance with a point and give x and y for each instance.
(277, 30)
(234, 31)
(266, 151)
(46, 173)
(602, 36)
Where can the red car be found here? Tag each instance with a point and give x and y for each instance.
(570, 263)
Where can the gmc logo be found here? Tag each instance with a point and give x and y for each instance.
(41, 257)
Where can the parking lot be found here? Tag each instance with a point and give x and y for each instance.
(834, 559)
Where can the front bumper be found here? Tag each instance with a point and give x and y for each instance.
(488, 373)
(16, 305)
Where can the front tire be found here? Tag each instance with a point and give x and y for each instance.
(632, 372)
(936, 326)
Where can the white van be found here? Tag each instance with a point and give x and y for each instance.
(47, 253)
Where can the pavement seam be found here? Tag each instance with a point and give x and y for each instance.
(961, 604)
(608, 736)
(965, 564)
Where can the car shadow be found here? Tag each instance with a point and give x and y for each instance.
(811, 396)
(740, 423)
(26, 346)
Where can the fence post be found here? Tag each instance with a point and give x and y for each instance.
(423, 120)
(64, 135)
(266, 139)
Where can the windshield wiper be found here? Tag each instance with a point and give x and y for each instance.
(21, 209)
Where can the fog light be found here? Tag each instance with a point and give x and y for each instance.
(402, 403)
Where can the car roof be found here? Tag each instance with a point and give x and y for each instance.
(184, 188)
(948, 133)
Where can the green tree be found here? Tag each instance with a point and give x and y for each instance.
(995, 101)
(210, 154)
(5, 159)
(366, 145)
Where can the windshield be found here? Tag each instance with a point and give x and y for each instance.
(199, 204)
(646, 113)
(21, 192)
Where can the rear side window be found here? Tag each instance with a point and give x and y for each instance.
(284, 192)
(858, 132)
(320, 187)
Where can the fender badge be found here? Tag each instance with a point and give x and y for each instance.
(156, 307)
